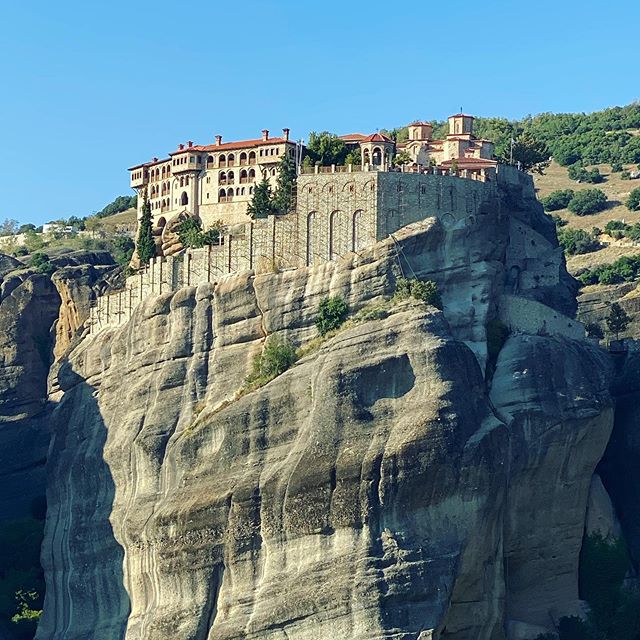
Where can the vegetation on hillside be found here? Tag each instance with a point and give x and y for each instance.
(588, 201)
(625, 269)
(120, 204)
(577, 241)
(595, 138)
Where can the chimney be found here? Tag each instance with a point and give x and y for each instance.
(154, 159)
(265, 135)
(285, 134)
(190, 143)
(218, 141)
(181, 146)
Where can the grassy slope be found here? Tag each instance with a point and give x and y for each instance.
(127, 217)
(617, 192)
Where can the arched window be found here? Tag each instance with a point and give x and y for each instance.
(356, 233)
(252, 157)
(222, 161)
(333, 235)
(377, 156)
(230, 159)
(366, 157)
(163, 172)
(222, 177)
(221, 195)
(184, 199)
(161, 220)
(209, 161)
(310, 223)
(243, 158)
(237, 191)
(182, 181)
(242, 191)
(230, 177)
(243, 176)
(252, 174)
(250, 190)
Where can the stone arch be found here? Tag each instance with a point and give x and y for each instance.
(376, 156)
(357, 232)
(338, 235)
(311, 218)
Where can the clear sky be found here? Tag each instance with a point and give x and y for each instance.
(91, 88)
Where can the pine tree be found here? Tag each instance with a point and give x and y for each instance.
(145, 246)
(283, 200)
(617, 320)
(261, 204)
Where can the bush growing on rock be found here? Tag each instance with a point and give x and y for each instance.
(277, 356)
(332, 312)
(40, 262)
(557, 200)
(423, 290)
(588, 201)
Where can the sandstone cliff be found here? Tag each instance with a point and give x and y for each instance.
(389, 485)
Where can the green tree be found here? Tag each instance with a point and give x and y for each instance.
(577, 241)
(9, 227)
(283, 198)
(26, 227)
(617, 320)
(557, 200)
(531, 154)
(402, 158)
(354, 157)
(261, 204)
(326, 148)
(146, 246)
(633, 202)
(588, 201)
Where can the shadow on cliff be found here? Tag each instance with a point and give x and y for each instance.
(82, 559)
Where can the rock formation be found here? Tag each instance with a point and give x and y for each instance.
(404, 480)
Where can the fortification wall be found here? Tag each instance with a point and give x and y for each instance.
(522, 315)
(337, 213)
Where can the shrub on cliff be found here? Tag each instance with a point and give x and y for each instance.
(423, 290)
(588, 201)
(557, 200)
(277, 356)
(332, 312)
(40, 262)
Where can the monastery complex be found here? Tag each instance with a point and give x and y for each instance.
(216, 182)
(337, 212)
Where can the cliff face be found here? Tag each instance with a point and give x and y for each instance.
(382, 487)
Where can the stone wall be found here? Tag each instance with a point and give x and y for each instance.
(532, 317)
(337, 213)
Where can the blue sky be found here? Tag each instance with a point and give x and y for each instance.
(92, 88)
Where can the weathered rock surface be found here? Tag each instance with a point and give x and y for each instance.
(381, 488)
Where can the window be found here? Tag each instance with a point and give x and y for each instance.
(184, 199)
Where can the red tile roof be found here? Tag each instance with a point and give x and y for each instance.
(461, 115)
(376, 137)
(419, 123)
(232, 146)
(353, 137)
